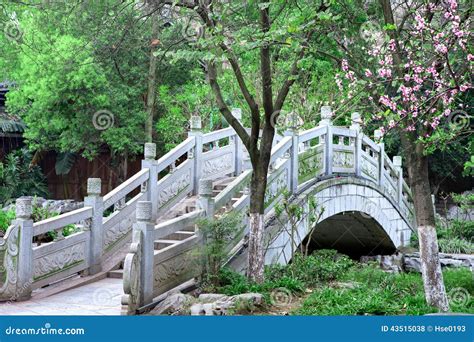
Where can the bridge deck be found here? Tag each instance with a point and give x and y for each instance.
(99, 298)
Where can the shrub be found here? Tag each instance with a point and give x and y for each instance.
(6, 218)
(18, 177)
(375, 292)
(455, 245)
(321, 266)
(217, 234)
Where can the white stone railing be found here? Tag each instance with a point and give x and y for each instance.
(298, 160)
(105, 223)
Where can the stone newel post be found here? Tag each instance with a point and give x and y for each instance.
(24, 222)
(293, 133)
(95, 201)
(196, 126)
(397, 162)
(326, 120)
(205, 197)
(145, 225)
(239, 152)
(379, 140)
(356, 126)
(152, 185)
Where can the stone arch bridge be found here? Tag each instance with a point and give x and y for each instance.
(147, 225)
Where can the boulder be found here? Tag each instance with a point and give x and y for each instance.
(212, 304)
(174, 304)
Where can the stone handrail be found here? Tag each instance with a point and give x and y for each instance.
(297, 159)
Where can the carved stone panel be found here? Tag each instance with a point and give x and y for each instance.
(343, 159)
(58, 260)
(175, 187)
(118, 231)
(276, 187)
(218, 165)
(9, 264)
(310, 164)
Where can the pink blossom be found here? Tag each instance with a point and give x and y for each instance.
(368, 73)
(470, 57)
(345, 65)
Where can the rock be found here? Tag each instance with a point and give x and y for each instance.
(177, 303)
(212, 304)
(391, 263)
(412, 261)
(249, 298)
(211, 297)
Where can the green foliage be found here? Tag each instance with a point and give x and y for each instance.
(233, 283)
(375, 292)
(218, 233)
(321, 266)
(457, 237)
(6, 217)
(18, 177)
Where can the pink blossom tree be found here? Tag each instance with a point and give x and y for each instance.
(417, 68)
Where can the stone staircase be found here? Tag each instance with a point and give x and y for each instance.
(185, 206)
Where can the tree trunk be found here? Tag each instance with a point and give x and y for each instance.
(151, 95)
(256, 253)
(417, 165)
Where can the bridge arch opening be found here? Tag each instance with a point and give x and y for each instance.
(352, 233)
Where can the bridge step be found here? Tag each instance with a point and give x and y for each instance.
(161, 244)
(115, 274)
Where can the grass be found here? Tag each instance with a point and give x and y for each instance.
(456, 237)
(376, 292)
(340, 286)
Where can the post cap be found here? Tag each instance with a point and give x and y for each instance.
(205, 187)
(397, 161)
(23, 208)
(237, 113)
(378, 135)
(150, 151)
(94, 186)
(195, 123)
(326, 115)
(144, 211)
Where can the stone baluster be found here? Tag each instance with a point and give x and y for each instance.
(95, 201)
(379, 140)
(397, 162)
(173, 167)
(24, 222)
(205, 197)
(145, 225)
(239, 152)
(293, 133)
(151, 164)
(356, 126)
(196, 132)
(326, 120)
